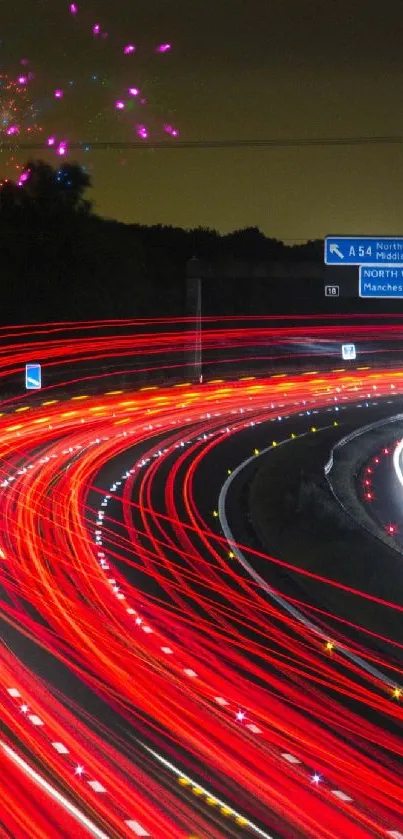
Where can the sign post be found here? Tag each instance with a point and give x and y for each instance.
(33, 377)
(348, 352)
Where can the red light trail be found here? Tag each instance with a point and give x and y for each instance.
(229, 716)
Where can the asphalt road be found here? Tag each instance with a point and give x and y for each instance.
(148, 685)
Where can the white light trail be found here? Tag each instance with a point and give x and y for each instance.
(53, 793)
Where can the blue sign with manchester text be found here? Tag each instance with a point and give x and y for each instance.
(377, 281)
(363, 250)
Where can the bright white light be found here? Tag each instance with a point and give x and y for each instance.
(53, 793)
(252, 827)
(348, 352)
(396, 462)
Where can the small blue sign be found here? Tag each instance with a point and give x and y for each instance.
(363, 250)
(33, 377)
(375, 281)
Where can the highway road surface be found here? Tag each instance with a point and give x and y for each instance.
(148, 686)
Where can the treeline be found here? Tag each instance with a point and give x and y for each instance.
(61, 261)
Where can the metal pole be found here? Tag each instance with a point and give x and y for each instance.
(198, 366)
(194, 310)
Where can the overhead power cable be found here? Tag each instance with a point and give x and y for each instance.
(274, 142)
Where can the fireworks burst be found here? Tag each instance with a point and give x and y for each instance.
(18, 115)
(112, 104)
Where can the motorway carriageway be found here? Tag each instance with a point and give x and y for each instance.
(227, 688)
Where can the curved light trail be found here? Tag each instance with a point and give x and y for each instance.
(396, 462)
(281, 601)
(147, 686)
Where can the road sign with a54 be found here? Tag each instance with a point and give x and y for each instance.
(363, 250)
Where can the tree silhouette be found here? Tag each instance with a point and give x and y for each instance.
(61, 261)
(11, 200)
(50, 190)
(251, 243)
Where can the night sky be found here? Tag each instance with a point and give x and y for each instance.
(238, 70)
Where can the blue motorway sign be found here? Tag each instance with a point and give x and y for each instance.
(363, 250)
(33, 378)
(377, 281)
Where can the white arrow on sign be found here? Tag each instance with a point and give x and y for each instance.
(335, 249)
